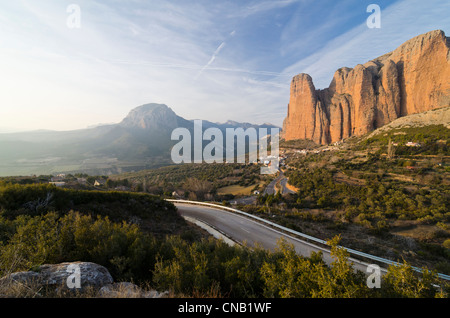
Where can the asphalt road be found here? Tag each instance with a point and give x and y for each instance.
(270, 189)
(283, 183)
(242, 229)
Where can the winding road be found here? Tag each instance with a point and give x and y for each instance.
(245, 230)
(282, 180)
(236, 226)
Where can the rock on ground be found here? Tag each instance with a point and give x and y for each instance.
(77, 277)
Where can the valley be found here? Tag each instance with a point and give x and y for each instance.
(394, 207)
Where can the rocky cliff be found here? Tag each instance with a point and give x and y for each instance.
(153, 117)
(411, 79)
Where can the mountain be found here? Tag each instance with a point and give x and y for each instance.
(411, 79)
(142, 140)
(153, 117)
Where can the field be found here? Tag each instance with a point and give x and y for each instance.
(238, 190)
(199, 181)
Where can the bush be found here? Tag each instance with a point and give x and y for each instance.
(120, 247)
(446, 243)
(404, 281)
(159, 215)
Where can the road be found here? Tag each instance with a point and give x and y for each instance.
(283, 183)
(242, 229)
(245, 200)
(270, 189)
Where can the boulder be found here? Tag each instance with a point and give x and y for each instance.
(55, 276)
(59, 280)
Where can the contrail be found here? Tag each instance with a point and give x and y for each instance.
(213, 57)
(199, 67)
(204, 67)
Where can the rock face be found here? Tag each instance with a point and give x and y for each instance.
(153, 117)
(412, 79)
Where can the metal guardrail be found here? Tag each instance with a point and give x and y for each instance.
(305, 236)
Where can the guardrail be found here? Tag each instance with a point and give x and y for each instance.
(302, 235)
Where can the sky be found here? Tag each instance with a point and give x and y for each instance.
(68, 65)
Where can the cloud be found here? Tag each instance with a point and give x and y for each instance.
(258, 7)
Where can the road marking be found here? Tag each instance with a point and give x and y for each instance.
(244, 229)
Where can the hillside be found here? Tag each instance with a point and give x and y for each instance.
(439, 116)
(387, 192)
(153, 214)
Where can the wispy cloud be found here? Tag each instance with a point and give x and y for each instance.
(258, 7)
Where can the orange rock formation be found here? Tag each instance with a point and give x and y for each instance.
(413, 78)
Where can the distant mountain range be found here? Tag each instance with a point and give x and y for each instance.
(141, 140)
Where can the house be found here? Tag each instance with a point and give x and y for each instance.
(412, 144)
(82, 180)
(303, 151)
(57, 179)
(178, 194)
(98, 183)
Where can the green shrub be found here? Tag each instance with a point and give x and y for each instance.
(121, 247)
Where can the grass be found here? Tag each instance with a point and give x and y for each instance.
(421, 231)
(35, 290)
(236, 190)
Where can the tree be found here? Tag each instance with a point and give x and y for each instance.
(90, 180)
(341, 281)
(391, 149)
(109, 184)
(288, 275)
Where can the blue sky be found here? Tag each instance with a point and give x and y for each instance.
(214, 60)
